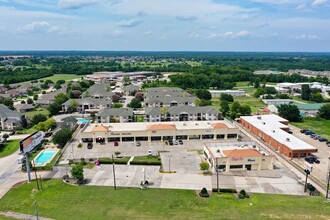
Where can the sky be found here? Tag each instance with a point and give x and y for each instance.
(166, 25)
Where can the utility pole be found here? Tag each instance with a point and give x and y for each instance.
(36, 206)
(40, 182)
(28, 166)
(307, 173)
(114, 173)
(328, 182)
(217, 167)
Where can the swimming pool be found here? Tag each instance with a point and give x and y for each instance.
(45, 156)
(82, 120)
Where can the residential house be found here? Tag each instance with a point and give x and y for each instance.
(14, 93)
(130, 88)
(182, 113)
(68, 122)
(10, 119)
(99, 91)
(24, 107)
(111, 115)
(24, 88)
(88, 104)
(49, 98)
(169, 101)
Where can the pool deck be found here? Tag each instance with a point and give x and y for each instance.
(48, 161)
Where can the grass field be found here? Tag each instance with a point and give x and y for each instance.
(56, 77)
(37, 111)
(253, 102)
(60, 201)
(242, 83)
(9, 148)
(319, 126)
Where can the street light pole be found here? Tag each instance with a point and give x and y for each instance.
(27, 166)
(217, 175)
(114, 173)
(36, 207)
(307, 173)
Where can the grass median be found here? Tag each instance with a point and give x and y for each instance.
(9, 148)
(58, 200)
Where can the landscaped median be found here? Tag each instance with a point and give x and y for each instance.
(138, 160)
(58, 200)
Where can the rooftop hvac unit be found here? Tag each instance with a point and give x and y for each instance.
(273, 131)
(254, 146)
(288, 139)
(259, 117)
(184, 124)
(218, 151)
(196, 124)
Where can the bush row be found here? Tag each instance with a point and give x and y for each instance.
(224, 190)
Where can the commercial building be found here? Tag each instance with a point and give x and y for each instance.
(305, 109)
(159, 131)
(112, 76)
(217, 93)
(273, 130)
(277, 101)
(237, 156)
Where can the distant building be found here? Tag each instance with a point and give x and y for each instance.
(111, 115)
(305, 109)
(10, 119)
(88, 104)
(273, 130)
(266, 72)
(24, 107)
(277, 101)
(217, 93)
(112, 76)
(237, 156)
(183, 113)
(130, 88)
(99, 91)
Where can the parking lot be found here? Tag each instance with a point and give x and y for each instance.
(183, 163)
(323, 154)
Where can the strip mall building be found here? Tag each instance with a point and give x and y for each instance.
(158, 131)
(273, 130)
(237, 156)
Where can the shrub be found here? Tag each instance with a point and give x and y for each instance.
(71, 162)
(224, 190)
(203, 193)
(83, 161)
(80, 145)
(242, 194)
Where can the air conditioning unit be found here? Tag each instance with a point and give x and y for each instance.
(259, 117)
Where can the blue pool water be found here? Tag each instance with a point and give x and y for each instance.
(45, 156)
(82, 120)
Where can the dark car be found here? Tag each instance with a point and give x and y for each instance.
(11, 133)
(316, 137)
(313, 135)
(170, 142)
(313, 159)
(138, 144)
(302, 130)
(290, 132)
(322, 139)
(115, 143)
(48, 134)
(328, 143)
(44, 140)
(180, 142)
(309, 160)
(308, 132)
(89, 145)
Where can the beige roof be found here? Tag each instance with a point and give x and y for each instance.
(100, 128)
(241, 153)
(161, 127)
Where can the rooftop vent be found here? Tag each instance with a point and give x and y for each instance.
(254, 146)
(184, 124)
(196, 124)
(259, 117)
(218, 151)
(264, 123)
(288, 139)
(273, 131)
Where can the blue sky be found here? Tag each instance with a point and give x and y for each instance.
(179, 25)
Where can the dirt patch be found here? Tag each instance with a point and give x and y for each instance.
(19, 184)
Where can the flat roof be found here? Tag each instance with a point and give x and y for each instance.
(272, 126)
(235, 149)
(174, 125)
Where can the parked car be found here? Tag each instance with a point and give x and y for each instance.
(11, 133)
(115, 143)
(149, 153)
(309, 160)
(170, 142)
(303, 130)
(44, 140)
(89, 145)
(313, 158)
(308, 132)
(328, 143)
(138, 144)
(313, 135)
(48, 134)
(316, 137)
(322, 139)
(21, 159)
(290, 132)
(180, 142)
(176, 142)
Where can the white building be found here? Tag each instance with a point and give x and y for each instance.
(277, 101)
(217, 93)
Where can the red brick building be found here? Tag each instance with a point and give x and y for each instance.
(273, 130)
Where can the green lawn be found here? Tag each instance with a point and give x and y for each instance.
(253, 102)
(152, 160)
(37, 111)
(242, 83)
(140, 118)
(295, 98)
(319, 126)
(60, 201)
(29, 130)
(66, 77)
(9, 148)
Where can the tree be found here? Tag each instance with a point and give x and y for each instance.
(224, 107)
(29, 101)
(317, 97)
(203, 94)
(5, 136)
(38, 118)
(226, 97)
(30, 92)
(8, 102)
(61, 98)
(23, 102)
(62, 137)
(204, 102)
(75, 94)
(54, 108)
(305, 92)
(115, 98)
(46, 125)
(77, 172)
(324, 112)
(204, 166)
(245, 109)
(289, 112)
(139, 96)
(163, 112)
(256, 83)
(73, 106)
(135, 103)
(117, 153)
(117, 105)
(35, 97)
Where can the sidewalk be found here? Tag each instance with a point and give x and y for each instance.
(16, 215)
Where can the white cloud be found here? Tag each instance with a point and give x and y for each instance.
(317, 3)
(277, 2)
(38, 27)
(75, 4)
(147, 33)
(186, 18)
(229, 35)
(129, 23)
(301, 7)
(308, 37)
